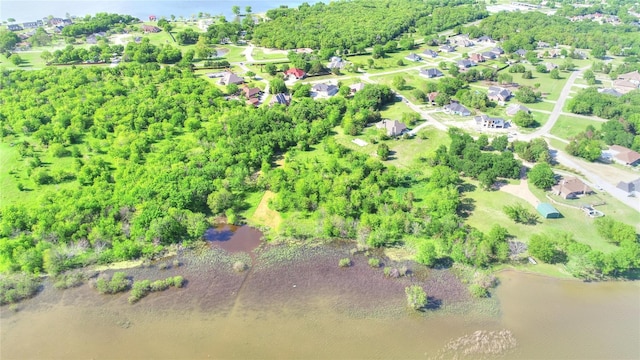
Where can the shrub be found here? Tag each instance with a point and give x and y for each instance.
(178, 281)
(374, 263)
(239, 266)
(478, 291)
(416, 297)
(160, 285)
(387, 271)
(117, 283)
(346, 262)
(403, 271)
(176, 263)
(66, 281)
(17, 288)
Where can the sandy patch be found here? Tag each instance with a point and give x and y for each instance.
(273, 51)
(522, 191)
(265, 216)
(120, 39)
(359, 142)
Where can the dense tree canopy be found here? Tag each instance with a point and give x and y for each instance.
(97, 23)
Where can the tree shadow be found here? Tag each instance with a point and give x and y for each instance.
(466, 188)
(466, 207)
(432, 304)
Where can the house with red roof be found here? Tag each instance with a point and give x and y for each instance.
(296, 73)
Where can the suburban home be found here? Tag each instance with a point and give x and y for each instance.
(455, 108)
(430, 73)
(570, 188)
(150, 29)
(521, 52)
(251, 92)
(14, 27)
(542, 44)
(324, 90)
(231, 78)
(413, 57)
(56, 21)
(430, 53)
(216, 75)
(497, 50)
(550, 66)
(488, 55)
(152, 18)
(30, 25)
(497, 93)
(490, 122)
(336, 63)
(513, 109)
(548, 211)
(354, 88)
(465, 63)
(431, 97)
(392, 127)
(624, 156)
(254, 101)
(624, 86)
(281, 98)
(476, 58)
(295, 73)
(633, 77)
(485, 39)
(39, 22)
(462, 40)
(610, 92)
(630, 187)
(447, 48)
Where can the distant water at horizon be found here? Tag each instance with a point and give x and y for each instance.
(31, 10)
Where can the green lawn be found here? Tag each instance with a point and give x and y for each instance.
(413, 81)
(259, 54)
(541, 105)
(567, 126)
(489, 205)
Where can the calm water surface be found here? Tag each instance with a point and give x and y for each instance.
(550, 319)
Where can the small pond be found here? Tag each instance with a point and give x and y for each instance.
(234, 238)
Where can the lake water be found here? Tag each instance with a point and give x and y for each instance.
(539, 318)
(30, 10)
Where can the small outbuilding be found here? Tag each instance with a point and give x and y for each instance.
(548, 211)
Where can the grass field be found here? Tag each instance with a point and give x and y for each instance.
(261, 214)
(489, 205)
(567, 126)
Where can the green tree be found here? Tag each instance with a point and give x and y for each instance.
(16, 59)
(271, 69)
(542, 176)
(542, 248)
(399, 82)
(383, 151)
(277, 86)
(416, 297)
(524, 119)
(555, 74)
(235, 9)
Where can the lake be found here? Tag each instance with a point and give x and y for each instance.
(30, 10)
(302, 305)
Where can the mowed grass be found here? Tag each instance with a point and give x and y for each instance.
(550, 88)
(567, 126)
(488, 210)
(262, 214)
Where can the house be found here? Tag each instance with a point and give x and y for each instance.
(413, 57)
(609, 91)
(30, 25)
(215, 75)
(550, 66)
(548, 211)
(14, 27)
(497, 50)
(513, 109)
(629, 187)
(490, 122)
(489, 55)
(150, 29)
(430, 73)
(393, 128)
(56, 22)
(336, 63)
(633, 77)
(542, 44)
(465, 63)
(624, 156)
(39, 23)
(462, 40)
(485, 39)
(295, 73)
(431, 97)
(521, 52)
(624, 86)
(230, 78)
(251, 92)
(254, 101)
(430, 53)
(570, 188)
(354, 88)
(281, 98)
(93, 38)
(497, 93)
(447, 48)
(324, 90)
(152, 18)
(455, 108)
(476, 58)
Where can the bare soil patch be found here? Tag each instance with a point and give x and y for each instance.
(266, 216)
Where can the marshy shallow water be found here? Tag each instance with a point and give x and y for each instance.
(297, 303)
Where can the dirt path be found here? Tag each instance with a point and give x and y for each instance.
(265, 216)
(522, 191)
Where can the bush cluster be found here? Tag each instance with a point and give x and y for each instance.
(142, 288)
(117, 283)
(16, 288)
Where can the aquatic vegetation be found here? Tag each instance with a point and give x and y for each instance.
(16, 288)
